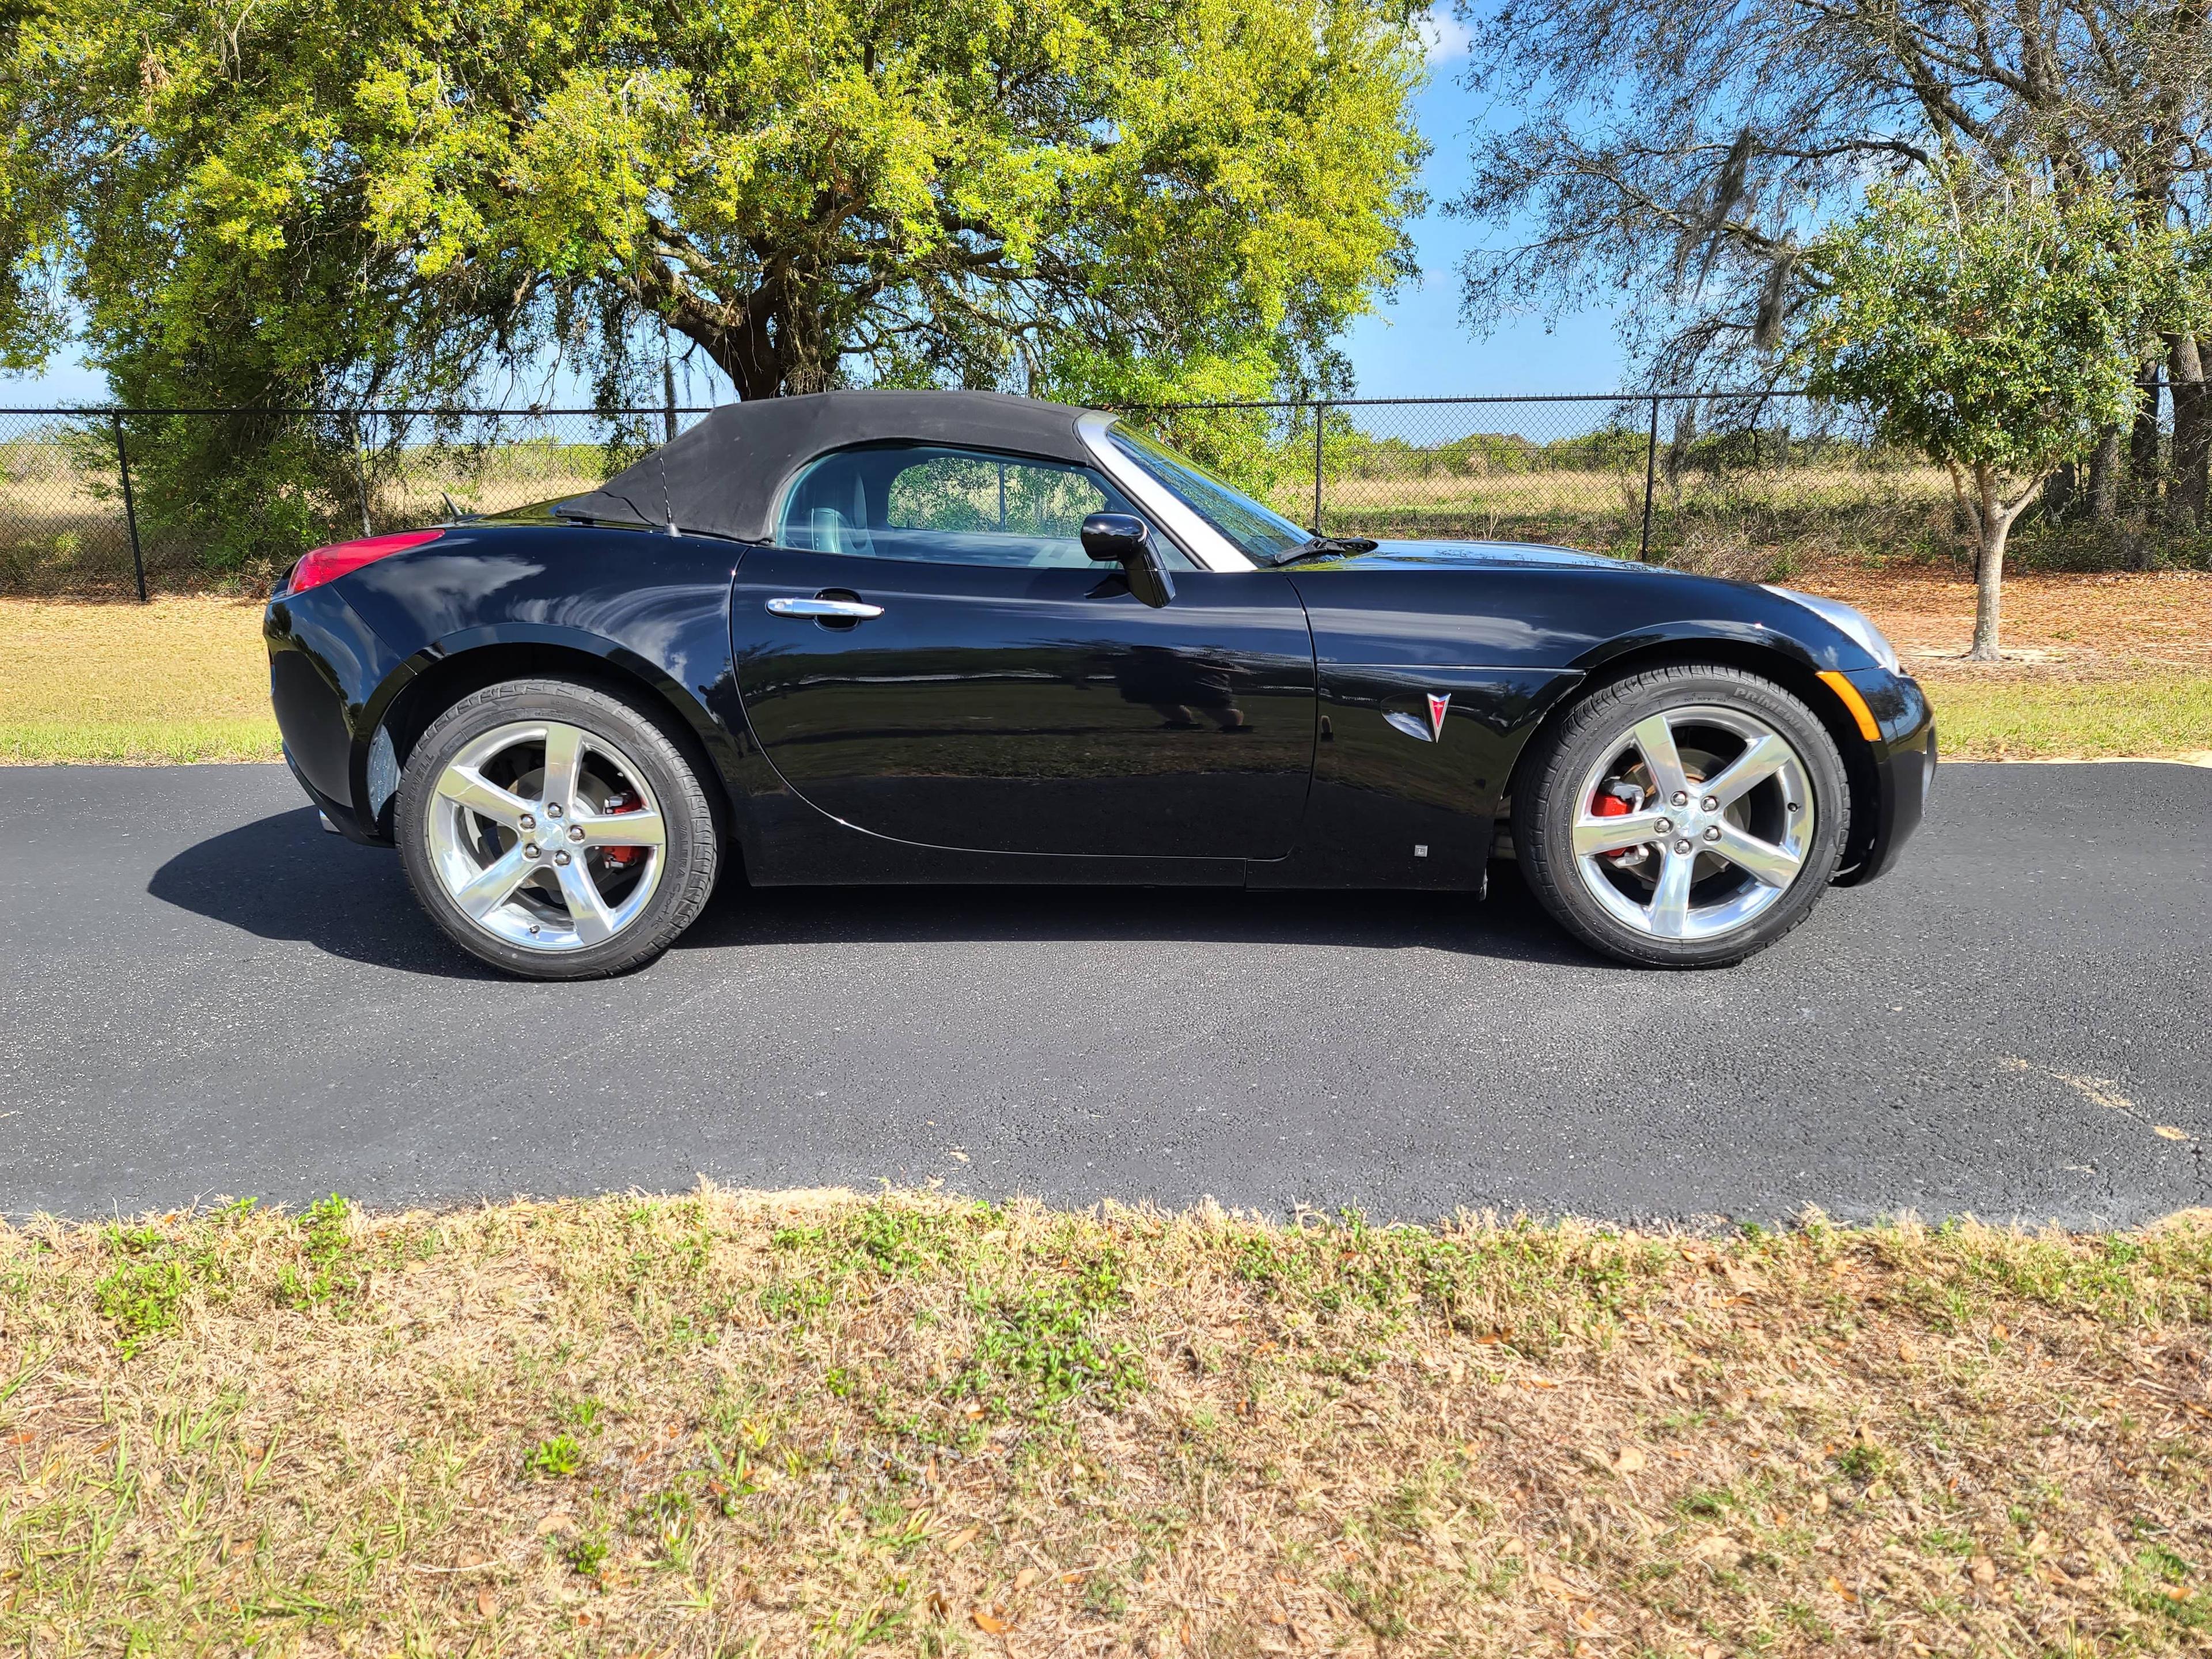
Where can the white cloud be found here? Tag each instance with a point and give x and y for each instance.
(1444, 36)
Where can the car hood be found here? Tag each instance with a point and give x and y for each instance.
(1433, 555)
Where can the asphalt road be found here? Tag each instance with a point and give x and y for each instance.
(202, 994)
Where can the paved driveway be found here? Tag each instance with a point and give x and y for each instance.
(202, 994)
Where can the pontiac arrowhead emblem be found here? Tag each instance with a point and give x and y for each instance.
(1434, 731)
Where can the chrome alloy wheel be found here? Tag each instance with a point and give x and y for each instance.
(546, 835)
(1694, 823)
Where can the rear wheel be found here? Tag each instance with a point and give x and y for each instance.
(1685, 816)
(554, 831)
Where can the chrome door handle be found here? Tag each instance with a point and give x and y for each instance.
(847, 610)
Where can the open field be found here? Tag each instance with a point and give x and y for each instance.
(63, 532)
(2103, 666)
(729, 1423)
(1772, 519)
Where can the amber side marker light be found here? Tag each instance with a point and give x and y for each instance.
(1857, 704)
(326, 564)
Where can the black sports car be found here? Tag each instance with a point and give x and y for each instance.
(947, 637)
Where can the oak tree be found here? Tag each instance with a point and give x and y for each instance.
(272, 203)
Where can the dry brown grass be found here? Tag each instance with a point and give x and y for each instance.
(732, 1424)
(1832, 488)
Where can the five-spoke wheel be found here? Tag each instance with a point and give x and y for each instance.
(555, 829)
(1697, 824)
(546, 835)
(1685, 816)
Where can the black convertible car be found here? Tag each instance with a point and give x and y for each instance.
(946, 636)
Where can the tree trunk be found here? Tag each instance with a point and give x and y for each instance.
(2192, 434)
(1989, 568)
(1965, 519)
(771, 344)
(2105, 477)
(1996, 518)
(2143, 438)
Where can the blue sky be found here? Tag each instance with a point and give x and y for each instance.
(1415, 347)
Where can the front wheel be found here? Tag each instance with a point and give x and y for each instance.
(554, 831)
(1684, 817)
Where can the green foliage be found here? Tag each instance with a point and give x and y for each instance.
(362, 204)
(888, 1238)
(1038, 1348)
(586, 1554)
(561, 1455)
(330, 1274)
(1862, 1461)
(1997, 327)
(142, 1291)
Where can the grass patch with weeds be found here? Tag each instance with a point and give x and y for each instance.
(756, 1424)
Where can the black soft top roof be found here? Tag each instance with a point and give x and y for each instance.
(724, 474)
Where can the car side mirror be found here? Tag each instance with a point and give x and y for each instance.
(1125, 539)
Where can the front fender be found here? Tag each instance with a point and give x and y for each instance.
(1683, 635)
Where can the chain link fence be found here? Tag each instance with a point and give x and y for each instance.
(1742, 484)
(112, 503)
(106, 503)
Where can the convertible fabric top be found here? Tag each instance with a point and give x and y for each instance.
(724, 475)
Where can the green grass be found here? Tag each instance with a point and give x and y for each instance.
(2023, 719)
(177, 680)
(136, 743)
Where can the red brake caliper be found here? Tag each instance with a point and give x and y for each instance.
(1613, 801)
(621, 858)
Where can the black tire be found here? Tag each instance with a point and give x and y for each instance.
(1547, 802)
(690, 852)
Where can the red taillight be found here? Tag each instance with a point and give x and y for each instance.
(327, 564)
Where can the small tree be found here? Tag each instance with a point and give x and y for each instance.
(1996, 329)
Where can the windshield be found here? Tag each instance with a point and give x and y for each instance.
(1261, 534)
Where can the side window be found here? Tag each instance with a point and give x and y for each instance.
(949, 506)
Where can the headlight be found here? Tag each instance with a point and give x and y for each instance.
(1852, 621)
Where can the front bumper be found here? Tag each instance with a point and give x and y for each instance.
(325, 668)
(1903, 769)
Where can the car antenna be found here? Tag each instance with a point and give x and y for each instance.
(667, 507)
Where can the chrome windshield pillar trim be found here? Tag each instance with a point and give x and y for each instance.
(1208, 548)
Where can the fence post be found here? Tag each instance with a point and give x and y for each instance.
(1651, 477)
(129, 506)
(1317, 409)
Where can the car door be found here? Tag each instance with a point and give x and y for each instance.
(993, 689)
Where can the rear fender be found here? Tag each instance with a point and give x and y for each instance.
(643, 615)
